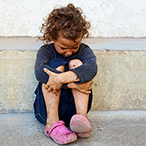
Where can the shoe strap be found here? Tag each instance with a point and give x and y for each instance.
(49, 131)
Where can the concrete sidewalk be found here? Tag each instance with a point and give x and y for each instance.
(109, 128)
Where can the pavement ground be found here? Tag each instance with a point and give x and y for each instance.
(109, 128)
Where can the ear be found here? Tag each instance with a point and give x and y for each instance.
(53, 38)
(50, 37)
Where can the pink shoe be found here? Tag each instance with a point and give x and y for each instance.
(80, 125)
(60, 134)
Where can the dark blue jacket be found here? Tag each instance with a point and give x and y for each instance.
(85, 72)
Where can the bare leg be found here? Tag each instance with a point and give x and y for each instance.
(52, 103)
(81, 102)
(81, 99)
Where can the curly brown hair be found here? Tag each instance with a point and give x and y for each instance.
(68, 20)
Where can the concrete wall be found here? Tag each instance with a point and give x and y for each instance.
(17, 81)
(119, 85)
(109, 18)
(121, 80)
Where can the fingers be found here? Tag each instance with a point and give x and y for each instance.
(46, 86)
(49, 89)
(88, 92)
(91, 82)
(54, 91)
(90, 88)
(46, 71)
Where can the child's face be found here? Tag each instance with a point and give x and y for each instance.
(67, 47)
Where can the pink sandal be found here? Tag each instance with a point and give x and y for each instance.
(80, 125)
(60, 134)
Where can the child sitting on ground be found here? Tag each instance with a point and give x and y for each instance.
(64, 68)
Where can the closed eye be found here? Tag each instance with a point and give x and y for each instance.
(74, 47)
(63, 48)
(66, 48)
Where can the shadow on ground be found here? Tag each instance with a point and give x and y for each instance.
(109, 128)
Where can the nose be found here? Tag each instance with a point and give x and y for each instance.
(68, 53)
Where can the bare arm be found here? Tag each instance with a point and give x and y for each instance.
(56, 81)
(84, 87)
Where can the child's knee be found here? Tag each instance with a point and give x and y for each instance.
(61, 68)
(75, 63)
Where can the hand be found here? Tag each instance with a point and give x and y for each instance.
(84, 87)
(54, 82)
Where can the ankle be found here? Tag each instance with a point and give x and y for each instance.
(50, 123)
(84, 114)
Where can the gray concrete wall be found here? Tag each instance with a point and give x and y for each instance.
(121, 80)
(119, 84)
(17, 81)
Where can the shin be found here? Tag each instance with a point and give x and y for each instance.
(81, 99)
(52, 103)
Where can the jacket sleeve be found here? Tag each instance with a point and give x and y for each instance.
(88, 70)
(44, 55)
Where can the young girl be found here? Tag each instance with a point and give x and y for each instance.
(65, 69)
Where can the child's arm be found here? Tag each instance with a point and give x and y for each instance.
(84, 87)
(88, 70)
(44, 55)
(56, 81)
(81, 74)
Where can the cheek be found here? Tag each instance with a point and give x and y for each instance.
(74, 51)
(60, 51)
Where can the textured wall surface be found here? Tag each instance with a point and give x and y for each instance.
(119, 85)
(33, 44)
(17, 81)
(109, 18)
(121, 80)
